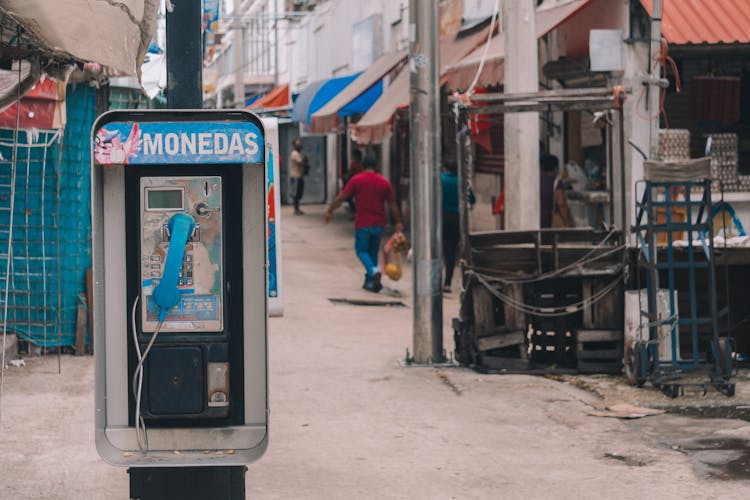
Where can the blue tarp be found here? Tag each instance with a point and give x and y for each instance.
(317, 94)
(51, 225)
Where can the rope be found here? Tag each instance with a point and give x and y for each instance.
(548, 312)
(495, 14)
(586, 259)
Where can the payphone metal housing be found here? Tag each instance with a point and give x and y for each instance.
(209, 165)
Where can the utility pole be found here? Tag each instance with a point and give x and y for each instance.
(521, 129)
(238, 47)
(654, 89)
(185, 55)
(426, 215)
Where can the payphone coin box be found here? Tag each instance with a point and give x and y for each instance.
(179, 197)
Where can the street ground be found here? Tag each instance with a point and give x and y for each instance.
(348, 420)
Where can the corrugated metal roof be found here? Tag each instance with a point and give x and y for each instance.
(704, 21)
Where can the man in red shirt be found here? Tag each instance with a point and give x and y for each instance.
(370, 191)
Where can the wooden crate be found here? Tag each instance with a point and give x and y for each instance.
(599, 351)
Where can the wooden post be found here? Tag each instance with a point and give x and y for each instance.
(515, 319)
(89, 306)
(484, 311)
(81, 327)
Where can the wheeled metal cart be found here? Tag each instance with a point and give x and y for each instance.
(678, 215)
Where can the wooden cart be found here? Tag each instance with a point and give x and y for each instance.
(547, 300)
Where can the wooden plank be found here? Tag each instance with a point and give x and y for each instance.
(613, 354)
(501, 340)
(588, 313)
(81, 329)
(599, 335)
(560, 93)
(544, 105)
(514, 319)
(565, 235)
(484, 310)
(90, 306)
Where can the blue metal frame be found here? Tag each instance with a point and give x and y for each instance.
(666, 373)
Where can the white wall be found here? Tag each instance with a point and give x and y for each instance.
(477, 9)
(320, 46)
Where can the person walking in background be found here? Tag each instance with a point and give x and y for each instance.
(553, 205)
(297, 174)
(371, 191)
(355, 167)
(449, 183)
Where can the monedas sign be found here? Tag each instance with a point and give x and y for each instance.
(133, 143)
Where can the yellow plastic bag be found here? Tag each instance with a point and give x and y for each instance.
(393, 253)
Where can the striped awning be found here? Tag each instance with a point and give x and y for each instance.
(278, 98)
(375, 125)
(326, 119)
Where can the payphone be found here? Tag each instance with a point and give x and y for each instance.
(179, 258)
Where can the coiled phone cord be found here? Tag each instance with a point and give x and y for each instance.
(137, 382)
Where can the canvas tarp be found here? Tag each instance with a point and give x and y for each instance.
(115, 35)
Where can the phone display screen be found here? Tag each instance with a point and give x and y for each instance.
(165, 199)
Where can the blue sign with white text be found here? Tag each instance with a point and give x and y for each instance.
(147, 143)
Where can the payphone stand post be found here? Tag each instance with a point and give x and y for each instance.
(180, 298)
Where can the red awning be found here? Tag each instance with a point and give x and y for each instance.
(375, 125)
(277, 98)
(460, 76)
(704, 21)
(43, 106)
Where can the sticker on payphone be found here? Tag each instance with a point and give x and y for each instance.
(200, 277)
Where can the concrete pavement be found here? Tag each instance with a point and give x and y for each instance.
(348, 421)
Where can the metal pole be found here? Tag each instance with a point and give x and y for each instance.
(238, 46)
(623, 201)
(185, 55)
(426, 216)
(184, 91)
(276, 42)
(653, 88)
(463, 187)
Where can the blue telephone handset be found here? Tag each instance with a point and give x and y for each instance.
(166, 294)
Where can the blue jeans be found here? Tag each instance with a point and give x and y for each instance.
(367, 246)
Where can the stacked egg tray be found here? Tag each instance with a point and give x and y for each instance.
(724, 162)
(674, 144)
